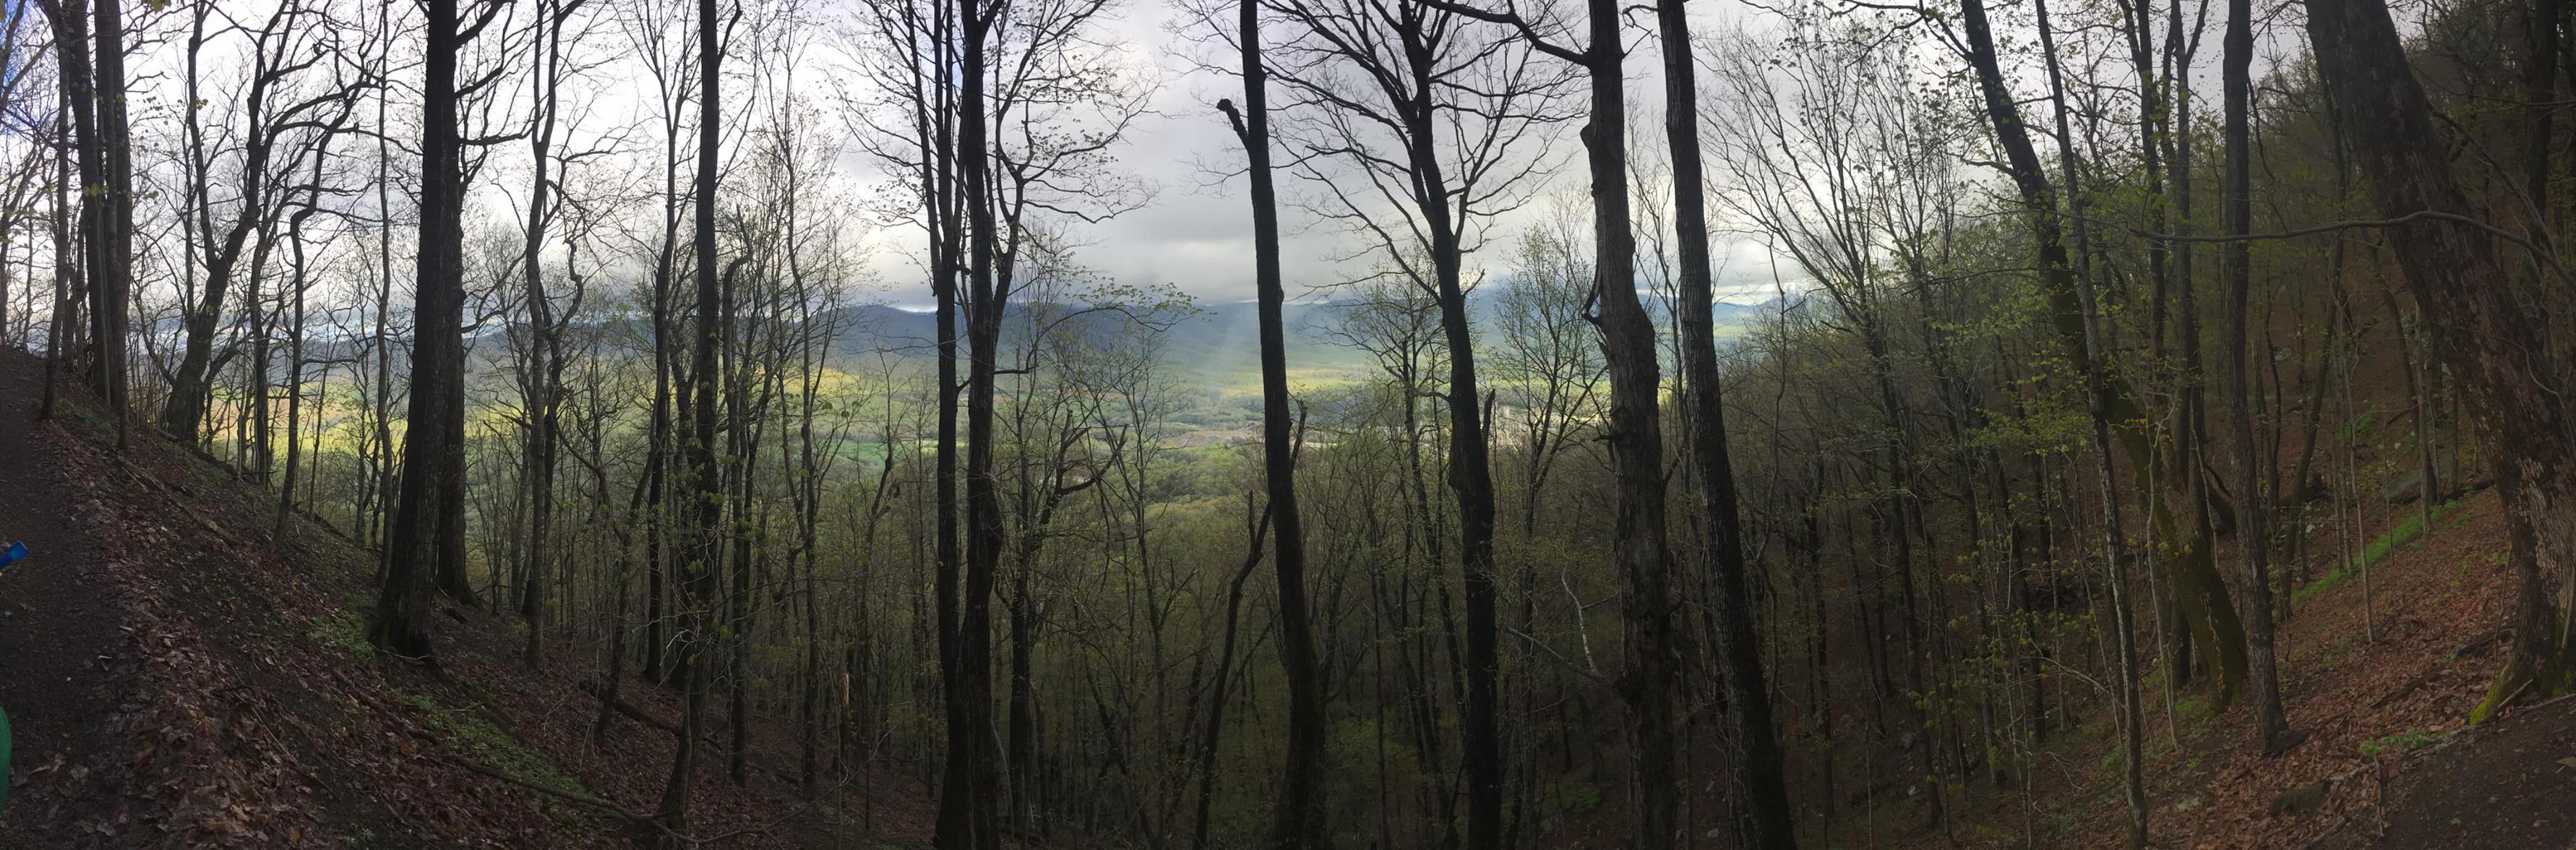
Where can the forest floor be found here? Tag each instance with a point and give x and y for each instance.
(179, 677)
(2378, 681)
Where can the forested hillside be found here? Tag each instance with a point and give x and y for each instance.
(1287, 423)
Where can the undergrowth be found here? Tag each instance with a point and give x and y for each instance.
(2376, 552)
(491, 746)
(2412, 739)
(347, 631)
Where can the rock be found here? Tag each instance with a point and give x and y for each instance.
(2407, 487)
(2404, 490)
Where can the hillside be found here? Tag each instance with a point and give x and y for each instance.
(2396, 633)
(181, 678)
(2153, 426)
(2381, 680)
(186, 680)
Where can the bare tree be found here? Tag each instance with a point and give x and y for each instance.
(426, 541)
(2253, 536)
(1300, 815)
(285, 125)
(1428, 124)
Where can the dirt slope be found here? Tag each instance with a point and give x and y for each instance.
(2510, 783)
(2378, 680)
(63, 676)
(179, 678)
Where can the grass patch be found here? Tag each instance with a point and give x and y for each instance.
(2376, 552)
(346, 631)
(489, 745)
(2411, 739)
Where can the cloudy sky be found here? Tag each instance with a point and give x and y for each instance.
(1196, 231)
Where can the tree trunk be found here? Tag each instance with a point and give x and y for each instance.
(540, 376)
(2493, 342)
(706, 524)
(2079, 335)
(294, 371)
(2253, 538)
(1628, 347)
(985, 535)
(415, 544)
(72, 50)
(66, 264)
(1754, 773)
(1301, 820)
(112, 278)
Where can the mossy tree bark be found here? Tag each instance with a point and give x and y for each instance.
(2485, 327)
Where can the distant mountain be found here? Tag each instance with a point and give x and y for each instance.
(1221, 341)
(1218, 347)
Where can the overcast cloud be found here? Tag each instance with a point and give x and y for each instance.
(1196, 231)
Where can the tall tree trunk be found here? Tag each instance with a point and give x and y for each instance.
(71, 29)
(1754, 774)
(112, 278)
(935, 127)
(385, 490)
(1301, 820)
(2080, 336)
(416, 545)
(541, 375)
(809, 506)
(1638, 529)
(985, 535)
(2253, 538)
(294, 366)
(663, 440)
(1469, 466)
(706, 524)
(66, 264)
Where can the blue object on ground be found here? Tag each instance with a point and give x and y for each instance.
(16, 552)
